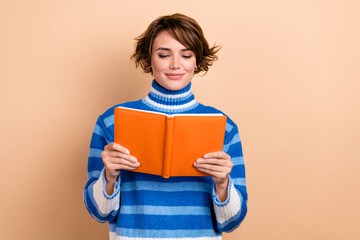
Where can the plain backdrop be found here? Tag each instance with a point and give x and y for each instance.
(288, 74)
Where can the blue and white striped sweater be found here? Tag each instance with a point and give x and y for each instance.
(146, 206)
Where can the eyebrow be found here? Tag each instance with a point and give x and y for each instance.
(168, 49)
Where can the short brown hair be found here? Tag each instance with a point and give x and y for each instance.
(185, 30)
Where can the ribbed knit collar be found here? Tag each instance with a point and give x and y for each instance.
(170, 101)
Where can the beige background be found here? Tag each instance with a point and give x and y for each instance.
(288, 74)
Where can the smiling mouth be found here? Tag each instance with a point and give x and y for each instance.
(174, 76)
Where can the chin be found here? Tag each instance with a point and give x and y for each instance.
(172, 84)
(175, 86)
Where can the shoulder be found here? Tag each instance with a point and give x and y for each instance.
(230, 124)
(105, 121)
(107, 117)
(110, 111)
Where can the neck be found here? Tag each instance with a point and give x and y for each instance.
(170, 101)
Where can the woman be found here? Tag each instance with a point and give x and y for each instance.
(139, 205)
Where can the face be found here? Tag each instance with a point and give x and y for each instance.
(172, 64)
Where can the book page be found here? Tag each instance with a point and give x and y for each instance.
(143, 134)
(193, 137)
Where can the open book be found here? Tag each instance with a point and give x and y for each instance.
(168, 145)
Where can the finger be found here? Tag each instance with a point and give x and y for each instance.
(126, 167)
(121, 161)
(214, 161)
(117, 147)
(115, 168)
(212, 173)
(219, 154)
(115, 154)
(210, 167)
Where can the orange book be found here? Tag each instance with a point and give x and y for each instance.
(168, 145)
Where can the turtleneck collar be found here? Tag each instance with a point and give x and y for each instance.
(170, 101)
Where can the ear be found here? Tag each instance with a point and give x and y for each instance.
(196, 69)
(146, 63)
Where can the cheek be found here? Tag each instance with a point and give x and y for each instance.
(190, 66)
(158, 65)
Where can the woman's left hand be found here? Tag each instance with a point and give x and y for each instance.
(218, 165)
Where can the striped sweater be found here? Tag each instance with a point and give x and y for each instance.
(145, 206)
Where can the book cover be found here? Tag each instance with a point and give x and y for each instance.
(168, 145)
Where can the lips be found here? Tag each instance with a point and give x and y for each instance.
(174, 76)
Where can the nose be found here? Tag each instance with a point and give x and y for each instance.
(174, 64)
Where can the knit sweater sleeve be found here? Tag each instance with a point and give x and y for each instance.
(101, 206)
(230, 213)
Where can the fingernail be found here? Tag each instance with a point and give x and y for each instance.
(205, 156)
(199, 160)
(137, 164)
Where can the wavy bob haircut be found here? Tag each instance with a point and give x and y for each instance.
(185, 30)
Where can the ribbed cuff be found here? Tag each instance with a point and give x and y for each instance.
(216, 199)
(103, 202)
(116, 186)
(230, 208)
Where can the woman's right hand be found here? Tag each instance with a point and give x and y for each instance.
(115, 158)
